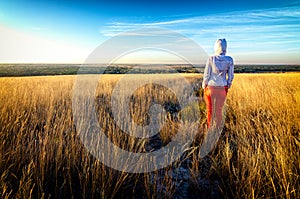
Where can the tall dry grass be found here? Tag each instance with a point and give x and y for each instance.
(41, 155)
(258, 154)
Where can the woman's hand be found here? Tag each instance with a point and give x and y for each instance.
(226, 89)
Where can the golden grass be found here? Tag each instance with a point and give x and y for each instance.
(260, 156)
(41, 155)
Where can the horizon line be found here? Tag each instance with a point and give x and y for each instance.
(62, 63)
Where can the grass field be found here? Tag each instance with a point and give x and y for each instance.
(257, 155)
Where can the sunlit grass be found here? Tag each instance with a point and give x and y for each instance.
(41, 155)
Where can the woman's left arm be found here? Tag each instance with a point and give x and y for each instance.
(206, 74)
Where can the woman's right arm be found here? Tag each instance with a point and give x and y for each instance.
(230, 73)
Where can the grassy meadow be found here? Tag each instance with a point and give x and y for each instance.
(257, 155)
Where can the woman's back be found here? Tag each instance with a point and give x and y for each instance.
(218, 66)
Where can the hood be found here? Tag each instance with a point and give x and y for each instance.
(220, 47)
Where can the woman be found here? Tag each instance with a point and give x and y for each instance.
(217, 79)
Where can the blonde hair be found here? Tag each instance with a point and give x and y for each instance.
(220, 46)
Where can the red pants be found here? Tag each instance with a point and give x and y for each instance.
(214, 97)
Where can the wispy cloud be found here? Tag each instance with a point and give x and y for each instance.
(243, 19)
(269, 30)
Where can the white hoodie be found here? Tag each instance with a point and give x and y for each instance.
(218, 67)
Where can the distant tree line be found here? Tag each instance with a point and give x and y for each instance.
(11, 70)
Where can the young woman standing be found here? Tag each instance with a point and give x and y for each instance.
(217, 79)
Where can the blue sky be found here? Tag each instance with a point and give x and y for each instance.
(68, 31)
